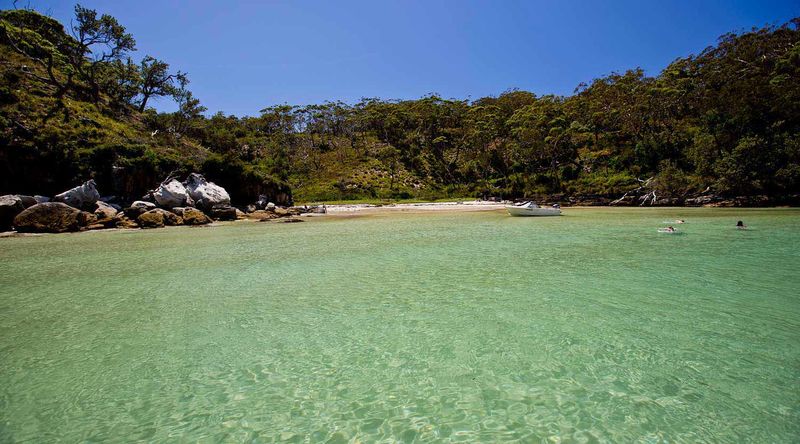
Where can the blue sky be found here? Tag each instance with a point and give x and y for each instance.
(244, 55)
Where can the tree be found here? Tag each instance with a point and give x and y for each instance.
(42, 40)
(100, 41)
(189, 108)
(121, 82)
(156, 81)
(542, 132)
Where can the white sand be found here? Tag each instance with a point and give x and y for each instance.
(476, 205)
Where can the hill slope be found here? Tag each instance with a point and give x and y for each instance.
(725, 122)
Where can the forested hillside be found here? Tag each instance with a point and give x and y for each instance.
(74, 105)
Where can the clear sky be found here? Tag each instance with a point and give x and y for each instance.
(244, 55)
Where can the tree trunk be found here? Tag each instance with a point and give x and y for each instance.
(144, 102)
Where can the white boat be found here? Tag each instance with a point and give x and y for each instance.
(531, 209)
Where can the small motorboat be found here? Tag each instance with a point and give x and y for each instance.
(531, 209)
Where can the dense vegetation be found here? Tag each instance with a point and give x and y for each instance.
(74, 105)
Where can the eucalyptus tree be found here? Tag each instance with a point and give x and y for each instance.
(542, 133)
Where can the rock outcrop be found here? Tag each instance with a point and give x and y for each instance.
(82, 197)
(206, 195)
(10, 206)
(52, 217)
(172, 194)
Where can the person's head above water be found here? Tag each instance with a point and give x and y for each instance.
(740, 224)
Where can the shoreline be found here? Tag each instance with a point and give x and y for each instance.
(344, 211)
(478, 205)
(484, 205)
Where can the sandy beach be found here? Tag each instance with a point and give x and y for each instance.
(475, 205)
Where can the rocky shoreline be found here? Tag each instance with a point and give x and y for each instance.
(192, 202)
(196, 201)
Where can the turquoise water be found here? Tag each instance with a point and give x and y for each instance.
(470, 327)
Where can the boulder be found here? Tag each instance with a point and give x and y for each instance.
(105, 211)
(223, 213)
(240, 214)
(10, 206)
(260, 215)
(170, 218)
(138, 208)
(299, 210)
(157, 218)
(193, 216)
(82, 197)
(206, 195)
(270, 206)
(180, 210)
(150, 219)
(41, 199)
(27, 201)
(124, 222)
(52, 217)
(106, 214)
(262, 202)
(172, 194)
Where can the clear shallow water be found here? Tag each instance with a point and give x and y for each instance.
(472, 327)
